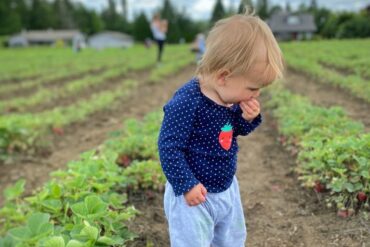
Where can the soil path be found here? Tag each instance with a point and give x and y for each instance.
(278, 211)
(326, 95)
(86, 135)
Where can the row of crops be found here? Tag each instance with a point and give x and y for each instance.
(86, 204)
(22, 131)
(344, 63)
(333, 151)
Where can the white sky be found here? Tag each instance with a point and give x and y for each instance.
(201, 9)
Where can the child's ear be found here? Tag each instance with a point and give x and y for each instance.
(222, 76)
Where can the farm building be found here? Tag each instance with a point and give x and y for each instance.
(109, 39)
(45, 37)
(287, 26)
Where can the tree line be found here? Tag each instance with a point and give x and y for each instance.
(17, 15)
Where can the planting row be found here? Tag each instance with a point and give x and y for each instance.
(22, 132)
(333, 152)
(342, 63)
(42, 63)
(86, 205)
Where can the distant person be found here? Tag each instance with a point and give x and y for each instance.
(159, 29)
(198, 137)
(199, 46)
(148, 43)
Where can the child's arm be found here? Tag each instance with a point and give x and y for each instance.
(174, 134)
(248, 117)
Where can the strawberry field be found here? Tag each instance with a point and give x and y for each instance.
(79, 162)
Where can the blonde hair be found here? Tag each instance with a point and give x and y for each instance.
(231, 45)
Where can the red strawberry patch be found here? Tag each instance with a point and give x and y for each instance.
(361, 196)
(226, 136)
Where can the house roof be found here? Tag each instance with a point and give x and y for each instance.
(48, 35)
(115, 35)
(287, 22)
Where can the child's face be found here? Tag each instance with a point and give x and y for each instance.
(237, 88)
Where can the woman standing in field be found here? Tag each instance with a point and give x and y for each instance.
(159, 29)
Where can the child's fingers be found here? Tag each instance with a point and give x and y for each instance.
(197, 200)
(254, 104)
(247, 108)
(204, 191)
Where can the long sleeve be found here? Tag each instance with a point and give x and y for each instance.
(243, 127)
(176, 127)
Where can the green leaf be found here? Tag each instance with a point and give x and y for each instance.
(92, 207)
(14, 191)
(20, 233)
(38, 223)
(91, 232)
(7, 242)
(365, 174)
(350, 188)
(95, 205)
(56, 191)
(75, 243)
(109, 241)
(56, 241)
(52, 204)
(79, 209)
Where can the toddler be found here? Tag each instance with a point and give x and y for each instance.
(197, 141)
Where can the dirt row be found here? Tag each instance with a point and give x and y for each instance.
(86, 135)
(326, 96)
(54, 83)
(342, 71)
(278, 211)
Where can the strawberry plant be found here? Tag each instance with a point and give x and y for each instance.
(145, 175)
(333, 152)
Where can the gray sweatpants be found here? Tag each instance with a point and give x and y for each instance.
(218, 222)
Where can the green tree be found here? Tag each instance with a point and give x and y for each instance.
(10, 21)
(218, 12)
(124, 9)
(334, 22)
(302, 8)
(321, 17)
(171, 15)
(88, 21)
(313, 6)
(188, 28)
(288, 8)
(356, 27)
(41, 15)
(275, 9)
(21, 8)
(141, 27)
(113, 20)
(263, 9)
(63, 11)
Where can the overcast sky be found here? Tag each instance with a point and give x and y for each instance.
(201, 9)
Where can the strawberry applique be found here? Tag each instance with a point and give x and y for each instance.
(226, 136)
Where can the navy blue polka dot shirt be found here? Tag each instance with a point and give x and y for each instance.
(197, 141)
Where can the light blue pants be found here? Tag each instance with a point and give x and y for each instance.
(218, 222)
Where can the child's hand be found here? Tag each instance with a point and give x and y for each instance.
(250, 108)
(196, 195)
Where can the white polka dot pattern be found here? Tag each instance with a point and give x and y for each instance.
(189, 147)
